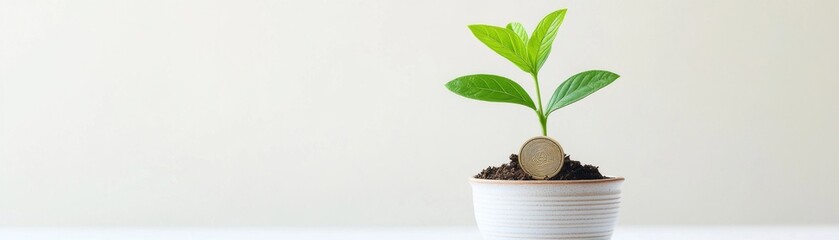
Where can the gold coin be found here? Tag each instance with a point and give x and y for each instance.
(541, 157)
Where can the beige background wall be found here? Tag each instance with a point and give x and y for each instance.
(333, 113)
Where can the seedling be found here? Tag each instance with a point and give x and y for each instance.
(529, 54)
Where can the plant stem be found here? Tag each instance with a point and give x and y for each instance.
(542, 119)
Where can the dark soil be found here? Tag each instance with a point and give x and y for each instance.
(571, 170)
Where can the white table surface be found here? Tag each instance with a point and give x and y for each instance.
(461, 233)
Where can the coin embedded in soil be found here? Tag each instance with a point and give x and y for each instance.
(541, 157)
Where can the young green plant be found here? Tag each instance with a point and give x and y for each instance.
(529, 54)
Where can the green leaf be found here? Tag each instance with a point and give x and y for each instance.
(505, 42)
(519, 30)
(490, 88)
(539, 46)
(578, 87)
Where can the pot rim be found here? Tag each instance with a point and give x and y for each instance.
(526, 182)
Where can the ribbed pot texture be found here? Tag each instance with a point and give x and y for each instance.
(576, 209)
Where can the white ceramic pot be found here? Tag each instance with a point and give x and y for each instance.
(567, 209)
